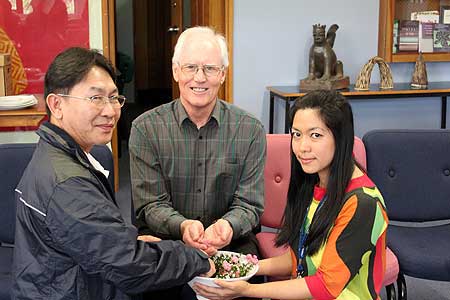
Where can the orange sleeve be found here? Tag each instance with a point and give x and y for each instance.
(294, 263)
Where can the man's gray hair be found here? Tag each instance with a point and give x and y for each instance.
(204, 30)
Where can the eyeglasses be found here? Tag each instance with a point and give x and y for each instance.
(100, 101)
(208, 70)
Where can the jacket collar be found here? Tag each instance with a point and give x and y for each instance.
(60, 139)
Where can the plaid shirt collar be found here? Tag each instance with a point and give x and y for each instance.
(182, 115)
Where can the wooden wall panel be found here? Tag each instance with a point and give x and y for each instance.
(140, 8)
(217, 14)
(152, 44)
(109, 50)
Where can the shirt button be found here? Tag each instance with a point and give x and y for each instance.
(200, 137)
(199, 190)
(199, 164)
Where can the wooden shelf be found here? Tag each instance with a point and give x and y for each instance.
(24, 118)
(401, 10)
(412, 56)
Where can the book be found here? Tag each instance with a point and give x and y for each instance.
(441, 38)
(395, 37)
(445, 14)
(430, 16)
(426, 19)
(426, 37)
(408, 35)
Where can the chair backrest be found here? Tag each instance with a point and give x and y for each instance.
(14, 158)
(276, 178)
(277, 175)
(359, 152)
(412, 170)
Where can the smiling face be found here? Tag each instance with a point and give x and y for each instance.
(313, 143)
(198, 93)
(87, 123)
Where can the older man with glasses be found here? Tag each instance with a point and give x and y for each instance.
(197, 163)
(71, 239)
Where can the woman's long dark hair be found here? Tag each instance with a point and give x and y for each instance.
(336, 113)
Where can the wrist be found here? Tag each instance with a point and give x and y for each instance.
(184, 225)
(174, 225)
(225, 221)
(247, 290)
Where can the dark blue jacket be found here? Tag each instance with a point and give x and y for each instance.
(71, 240)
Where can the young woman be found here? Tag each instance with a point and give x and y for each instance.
(335, 220)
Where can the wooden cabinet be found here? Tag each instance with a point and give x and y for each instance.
(391, 10)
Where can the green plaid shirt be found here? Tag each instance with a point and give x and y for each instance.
(179, 172)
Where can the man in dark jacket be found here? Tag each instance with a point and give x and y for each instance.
(71, 240)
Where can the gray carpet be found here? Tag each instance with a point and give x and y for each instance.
(418, 289)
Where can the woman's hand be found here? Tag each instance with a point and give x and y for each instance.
(227, 290)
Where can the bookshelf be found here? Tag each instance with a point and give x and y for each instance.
(391, 10)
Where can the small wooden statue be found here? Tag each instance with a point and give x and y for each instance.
(419, 78)
(325, 71)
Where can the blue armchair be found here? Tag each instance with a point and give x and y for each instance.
(412, 170)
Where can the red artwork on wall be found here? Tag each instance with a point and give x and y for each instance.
(35, 31)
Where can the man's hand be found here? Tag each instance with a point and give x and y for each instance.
(192, 233)
(148, 238)
(219, 234)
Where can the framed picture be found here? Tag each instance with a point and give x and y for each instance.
(445, 14)
(33, 32)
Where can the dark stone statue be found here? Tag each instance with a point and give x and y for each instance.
(325, 71)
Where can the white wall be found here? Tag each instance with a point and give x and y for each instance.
(95, 25)
(271, 45)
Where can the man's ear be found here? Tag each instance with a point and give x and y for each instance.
(175, 71)
(223, 75)
(54, 104)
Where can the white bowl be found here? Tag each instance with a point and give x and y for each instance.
(209, 281)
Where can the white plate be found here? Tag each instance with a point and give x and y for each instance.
(210, 281)
(18, 106)
(17, 102)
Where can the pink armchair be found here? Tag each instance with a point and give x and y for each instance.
(276, 177)
(276, 184)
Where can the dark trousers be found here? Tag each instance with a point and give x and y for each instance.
(245, 245)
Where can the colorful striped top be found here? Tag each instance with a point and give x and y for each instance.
(351, 263)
